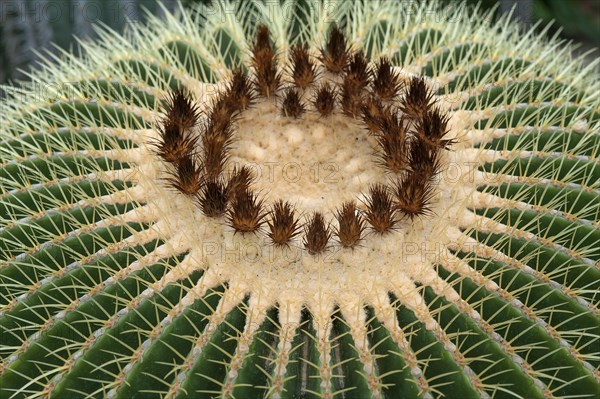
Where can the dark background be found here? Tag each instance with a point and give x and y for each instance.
(27, 26)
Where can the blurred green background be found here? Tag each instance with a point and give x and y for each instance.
(27, 26)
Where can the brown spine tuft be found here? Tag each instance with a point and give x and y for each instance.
(335, 55)
(324, 100)
(418, 98)
(240, 91)
(424, 159)
(173, 143)
(354, 85)
(215, 155)
(432, 128)
(217, 133)
(180, 109)
(351, 100)
(380, 212)
(292, 104)
(246, 213)
(221, 114)
(413, 194)
(303, 69)
(263, 40)
(268, 79)
(386, 82)
(351, 225)
(316, 234)
(212, 199)
(359, 73)
(392, 138)
(373, 114)
(187, 177)
(415, 189)
(239, 182)
(283, 224)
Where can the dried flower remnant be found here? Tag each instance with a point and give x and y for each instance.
(283, 224)
(336, 54)
(380, 212)
(351, 225)
(292, 104)
(246, 214)
(418, 98)
(267, 76)
(303, 69)
(324, 100)
(316, 234)
(212, 199)
(386, 82)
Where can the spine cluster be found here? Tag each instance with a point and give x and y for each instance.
(409, 128)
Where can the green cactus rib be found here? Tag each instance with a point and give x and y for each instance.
(537, 298)
(96, 300)
(393, 369)
(567, 201)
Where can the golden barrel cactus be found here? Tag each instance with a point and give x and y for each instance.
(303, 199)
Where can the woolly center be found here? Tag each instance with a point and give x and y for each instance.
(315, 163)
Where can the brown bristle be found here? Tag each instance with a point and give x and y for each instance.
(351, 99)
(373, 113)
(418, 99)
(324, 100)
(239, 181)
(316, 234)
(359, 73)
(212, 198)
(392, 139)
(303, 69)
(354, 84)
(187, 177)
(180, 109)
(246, 213)
(413, 195)
(394, 154)
(424, 159)
(263, 40)
(217, 134)
(351, 225)
(214, 156)
(380, 212)
(292, 104)
(336, 53)
(173, 143)
(240, 90)
(390, 122)
(222, 112)
(432, 128)
(268, 78)
(386, 82)
(283, 224)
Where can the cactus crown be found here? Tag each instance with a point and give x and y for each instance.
(369, 94)
(146, 251)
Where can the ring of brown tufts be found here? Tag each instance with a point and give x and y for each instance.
(370, 93)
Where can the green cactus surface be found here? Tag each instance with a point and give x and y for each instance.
(114, 284)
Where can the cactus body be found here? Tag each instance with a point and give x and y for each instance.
(112, 284)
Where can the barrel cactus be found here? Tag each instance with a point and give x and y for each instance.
(303, 199)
